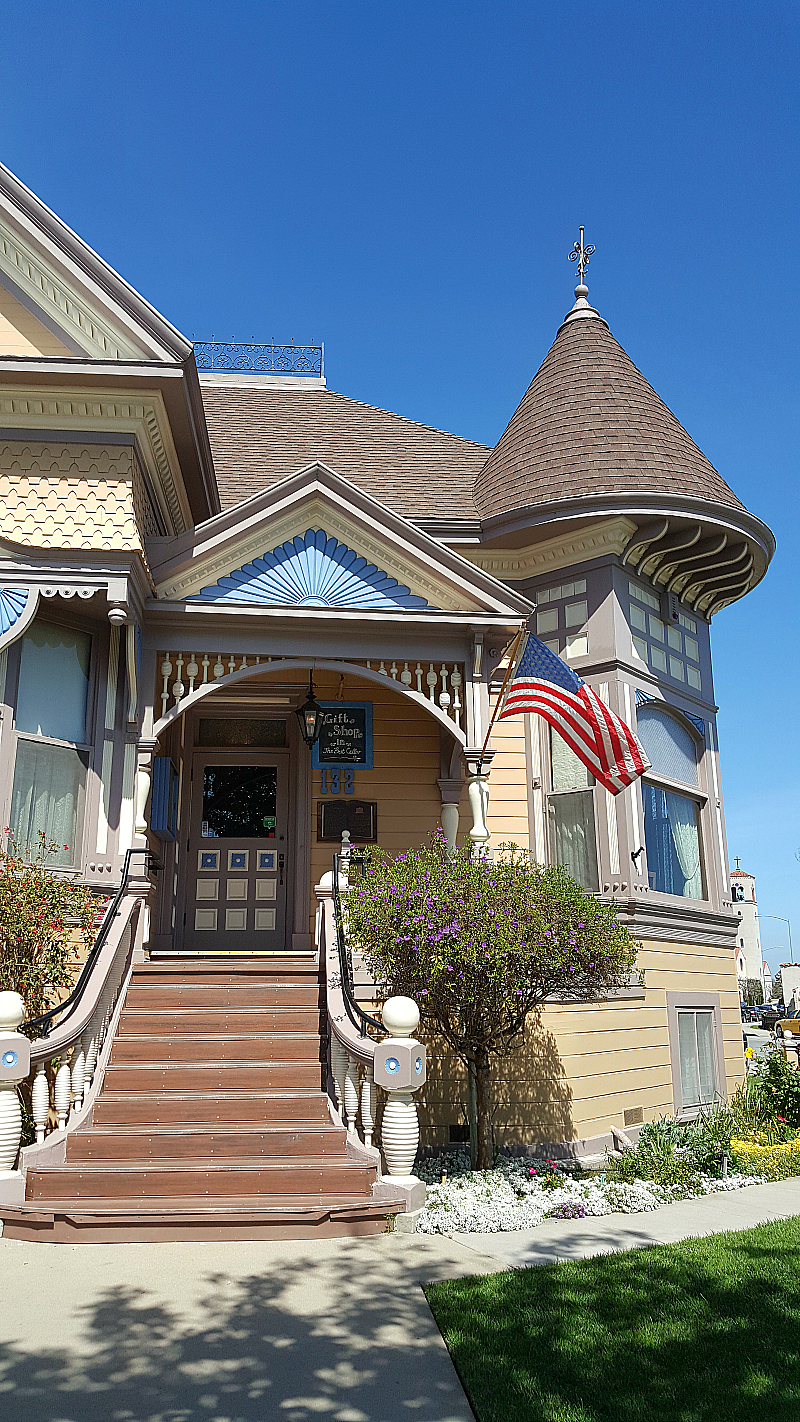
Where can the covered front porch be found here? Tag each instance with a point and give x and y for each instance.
(242, 819)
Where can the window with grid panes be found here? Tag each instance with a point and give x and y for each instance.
(562, 615)
(670, 651)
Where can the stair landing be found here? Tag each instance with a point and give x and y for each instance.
(212, 1122)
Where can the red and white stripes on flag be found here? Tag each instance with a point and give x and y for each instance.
(544, 685)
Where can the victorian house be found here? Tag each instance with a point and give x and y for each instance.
(193, 538)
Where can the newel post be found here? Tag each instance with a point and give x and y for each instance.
(400, 1068)
(15, 1064)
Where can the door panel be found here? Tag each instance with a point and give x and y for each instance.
(237, 870)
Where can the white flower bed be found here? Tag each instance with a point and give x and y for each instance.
(511, 1197)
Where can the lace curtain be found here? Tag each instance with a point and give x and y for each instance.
(683, 824)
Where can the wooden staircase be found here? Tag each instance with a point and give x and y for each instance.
(212, 1121)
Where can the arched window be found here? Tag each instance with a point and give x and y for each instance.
(671, 819)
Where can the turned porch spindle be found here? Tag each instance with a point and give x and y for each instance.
(367, 1098)
(15, 1062)
(351, 1094)
(40, 1101)
(338, 1068)
(78, 1076)
(63, 1090)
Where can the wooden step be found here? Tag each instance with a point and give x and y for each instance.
(209, 1049)
(167, 1078)
(205, 1141)
(309, 1177)
(227, 970)
(264, 995)
(219, 1020)
(190, 1217)
(230, 1108)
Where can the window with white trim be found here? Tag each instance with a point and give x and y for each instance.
(52, 739)
(573, 840)
(697, 1059)
(672, 835)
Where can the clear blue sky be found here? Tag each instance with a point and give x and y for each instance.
(404, 182)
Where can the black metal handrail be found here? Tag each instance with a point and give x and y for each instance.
(94, 952)
(357, 1015)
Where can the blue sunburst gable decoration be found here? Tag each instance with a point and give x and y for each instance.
(17, 607)
(312, 571)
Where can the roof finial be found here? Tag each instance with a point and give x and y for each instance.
(580, 254)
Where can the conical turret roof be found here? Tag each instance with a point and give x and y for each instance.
(589, 423)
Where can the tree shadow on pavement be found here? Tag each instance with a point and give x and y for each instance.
(348, 1338)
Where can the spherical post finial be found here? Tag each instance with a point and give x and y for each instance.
(400, 1016)
(12, 1011)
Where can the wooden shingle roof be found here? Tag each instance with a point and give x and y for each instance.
(259, 435)
(589, 423)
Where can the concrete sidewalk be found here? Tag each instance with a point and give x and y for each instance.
(337, 1330)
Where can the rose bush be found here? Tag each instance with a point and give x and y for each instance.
(45, 920)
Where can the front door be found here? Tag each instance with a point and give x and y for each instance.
(237, 870)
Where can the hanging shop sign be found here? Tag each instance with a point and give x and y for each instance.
(346, 735)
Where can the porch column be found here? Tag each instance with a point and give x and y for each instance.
(450, 791)
(479, 767)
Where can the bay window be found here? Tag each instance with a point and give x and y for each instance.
(671, 818)
(52, 743)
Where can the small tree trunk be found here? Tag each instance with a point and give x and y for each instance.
(472, 1112)
(484, 1110)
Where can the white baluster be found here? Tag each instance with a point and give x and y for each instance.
(351, 1094)
(143, 778)
(243, 663)
(338, 1068)
(178, 687)
(166, 672)
(405, 675)
(78, 1076)
(433, 681)
(63, 1091)
(191, 671)
(418, 675)
(444, 694)
(368, 665)
(219, 669)
(393, 671)
(367, 1118)
(90, 1041)
(382, 669)
(40, 1101)
(205, 668)
(456, 682)
(232, 664)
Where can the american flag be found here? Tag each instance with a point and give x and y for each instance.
(546, 686)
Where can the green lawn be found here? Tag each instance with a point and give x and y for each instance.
(703, 1331)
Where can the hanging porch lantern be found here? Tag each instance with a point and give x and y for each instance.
(309, 716)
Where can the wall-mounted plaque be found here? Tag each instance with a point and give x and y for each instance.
(346, 735)
(358, 817)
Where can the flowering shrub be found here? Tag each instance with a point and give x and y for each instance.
(509, 1197)
(569, 1210)
(775, 1162)
(481, 944)
(44, 920)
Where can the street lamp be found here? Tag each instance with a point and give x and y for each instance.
(777, 916)
(310, 715)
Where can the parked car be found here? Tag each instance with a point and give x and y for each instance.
(789, 1025)
(771, 1015)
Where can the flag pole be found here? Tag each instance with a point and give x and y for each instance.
(517, 648)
